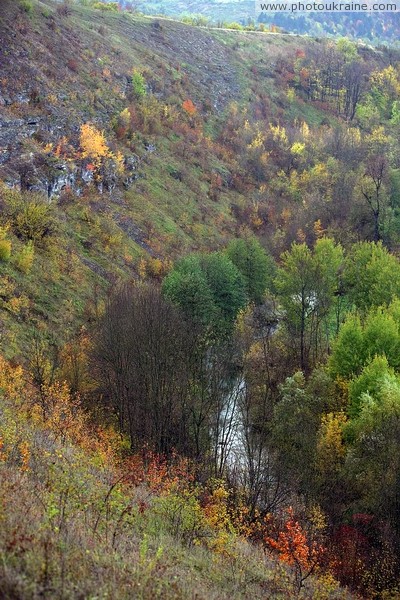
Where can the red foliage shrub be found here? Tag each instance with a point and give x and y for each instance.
(72, 65)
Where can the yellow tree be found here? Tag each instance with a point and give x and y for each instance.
(94, 147)
(93, 144)
(331, 451)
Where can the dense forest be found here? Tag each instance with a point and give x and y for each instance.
(199, 310)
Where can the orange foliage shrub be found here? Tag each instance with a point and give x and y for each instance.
(11, 379)
(63, 148)
(189, 107)
(296, 549)
(53, 408)
(156, 472)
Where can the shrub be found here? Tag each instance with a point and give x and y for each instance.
(110, 6)
(24, 259)
(138, 85)
(121, 123)
(72, 65)
(148, 115)
(64, 9)
(189, 107)
(26, 6)
(31, 217)
(180, 515)
(5, 250)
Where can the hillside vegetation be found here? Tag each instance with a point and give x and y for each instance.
(199, 310)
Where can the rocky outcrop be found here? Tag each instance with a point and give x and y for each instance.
(12, 132)
(48, 174)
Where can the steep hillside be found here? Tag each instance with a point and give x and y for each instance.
(193, 155)
(78, 521)
(62, 69)
(184, 169)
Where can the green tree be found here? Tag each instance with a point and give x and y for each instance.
(358, 343)
(381, 336)
(374, 460)
(186, 286)
(226, 283)
(208, 288)
(371, 275)
(256, 266)
(295, 428)
(307, 283)
(348, 354)
(138, 85)
(368, 382)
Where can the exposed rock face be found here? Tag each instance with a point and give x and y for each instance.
(46, 173)
(53, 185)
(66, 179)
(51, 176)
(12, 132)
(131, 164)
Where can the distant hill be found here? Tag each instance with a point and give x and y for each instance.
(376, 28)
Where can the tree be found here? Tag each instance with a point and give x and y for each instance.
(138, 85)
(371, 275)
(93, 144)
(297, 549)
(333, 488)
(208, 288)
(374, 459)
(295, 427)
(142, 355)
(385, 90)
(226, 284)
(372, 189)
(263, 370)
(295, 284)
(368, 382)
(256, 266)
(358, 343)
(348, 353)
(354, 79)
(186, 286)
(307, 283)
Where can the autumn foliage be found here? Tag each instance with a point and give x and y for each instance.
(93, 143)
(95, 151)
(295, 548)
(189, 107)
